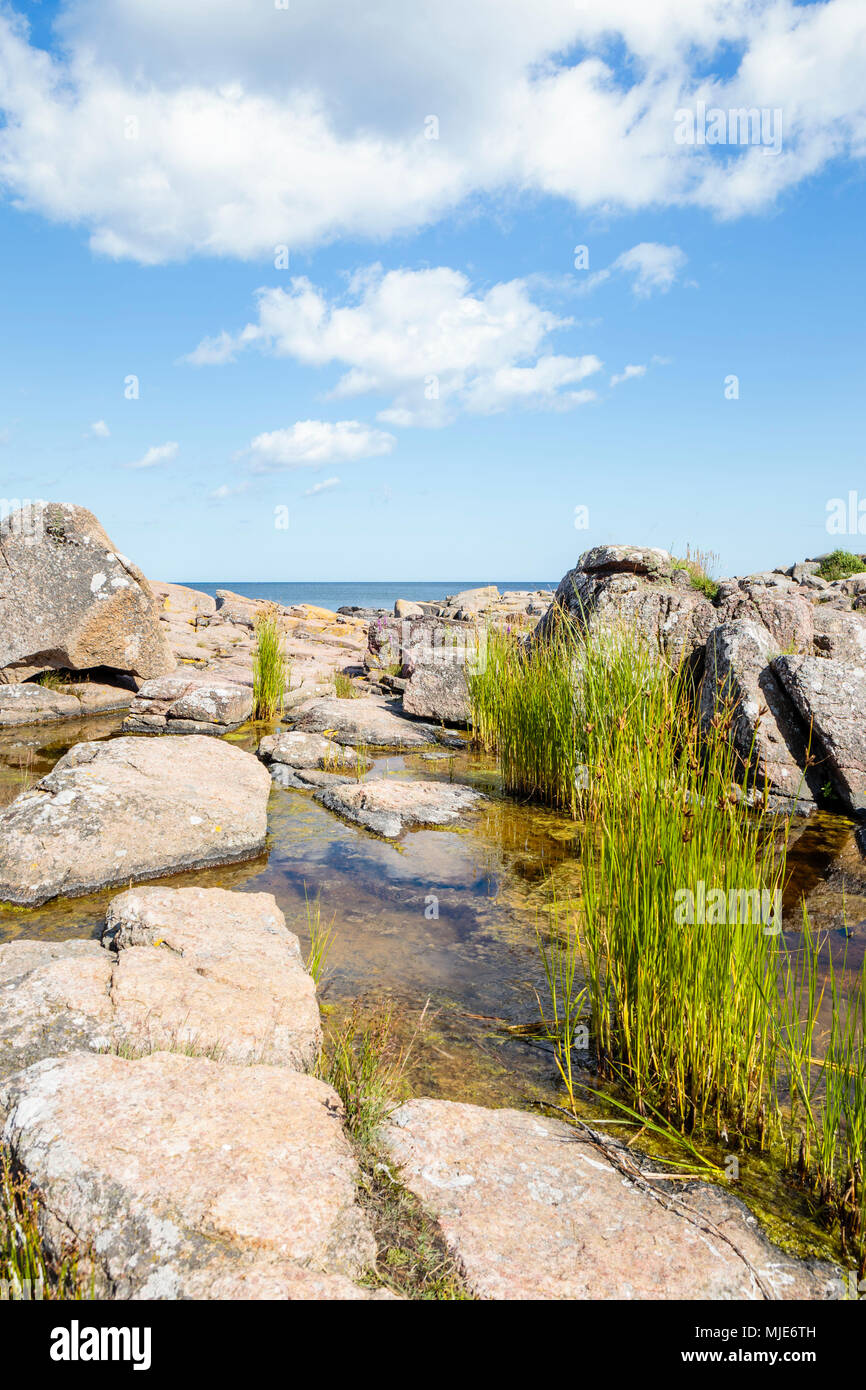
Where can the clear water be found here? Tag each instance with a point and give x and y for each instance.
(362, 593)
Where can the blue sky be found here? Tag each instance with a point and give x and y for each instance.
(308, 387)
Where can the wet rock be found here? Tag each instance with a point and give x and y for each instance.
(131, 809)
(765, 730)
(438, 692)
(830, 697)
(191, 969)
(529, 1211)
(189, 1178)
(294, 748)
(189, 705)
(389, 808)
(70, 601)
(370, 721)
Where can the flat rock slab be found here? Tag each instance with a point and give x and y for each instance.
(189, 704)
(369, 722)
(38, 704)
(830, 697)
(296, 749)
(130, 809)
(529, 1211)
(198, 969)
(389, 808)
(187, 1178)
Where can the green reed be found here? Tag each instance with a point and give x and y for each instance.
(672, 961)
(270, 669)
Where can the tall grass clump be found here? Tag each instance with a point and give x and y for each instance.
(27, 1269)
(522, 704)
(270, 669)
(321, 937)
(676, 932)
(700, 566)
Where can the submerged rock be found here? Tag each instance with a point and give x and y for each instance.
(131, 809)
(192, 969)
(296, 749)
(530, 1210)
(389, 808)
(369, 722)
(70, 601)
(188, 1178)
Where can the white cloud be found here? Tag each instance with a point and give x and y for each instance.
(651, 266)
(256, 127)
(628, 373)
(99, 429)
(309, 443)
(225, 490)
(322, 487)
(420, 337)
(158, 453)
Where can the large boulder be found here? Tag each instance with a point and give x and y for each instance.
(739, 680)
(70, 601)
(189, 704)
(183, 1177)
(530, 1208)
(840, 633)
(439, 692)
(830, 698)
(636, 587)
(129, 809)
(399, 643)
(773, 601)
(199, 970)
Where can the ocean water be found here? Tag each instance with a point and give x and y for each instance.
(362, 593)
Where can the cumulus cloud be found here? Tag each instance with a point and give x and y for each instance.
(650, 265)
(170, 127)
(628, 373)
(309, 443)
(99, 430)
(157, 454)
(324, 486)
(422, 338)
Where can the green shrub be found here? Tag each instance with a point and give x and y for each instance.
(840, 564)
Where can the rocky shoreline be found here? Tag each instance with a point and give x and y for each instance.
(158, 1087)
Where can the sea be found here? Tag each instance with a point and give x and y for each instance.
(361, 593)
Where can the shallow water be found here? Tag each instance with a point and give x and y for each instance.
(447, 916)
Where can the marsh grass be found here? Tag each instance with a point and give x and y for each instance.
(271, 673)
(707, 1029)
(28, 1269)
(345, 687)
(366, 1065)
(321, 938)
